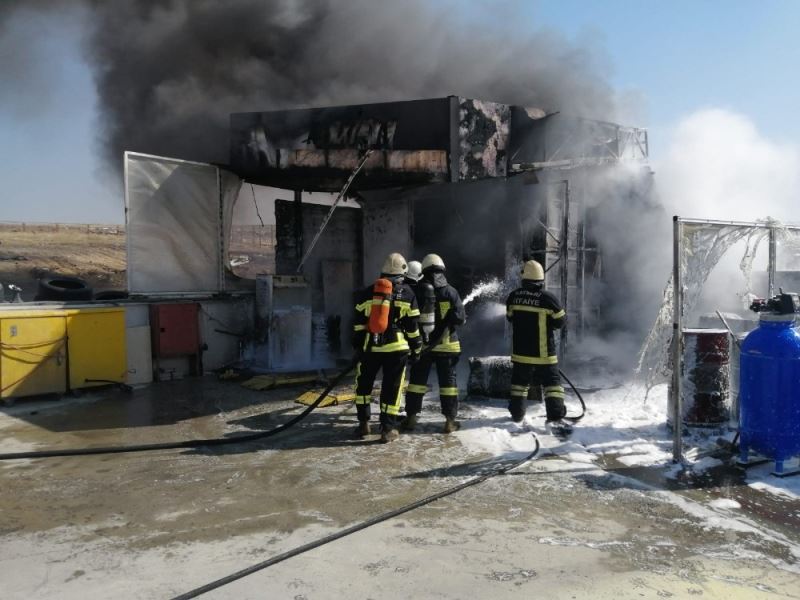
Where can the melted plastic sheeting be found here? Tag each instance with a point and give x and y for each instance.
(703, 246)
(174, 224)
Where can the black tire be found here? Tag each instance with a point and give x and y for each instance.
(111, 295)
(64, 288)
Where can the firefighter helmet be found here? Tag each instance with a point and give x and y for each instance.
(414, 270)
(394, 264)
(432, 261)
(532, 271)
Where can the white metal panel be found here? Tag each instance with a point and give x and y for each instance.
(173, 220)
(140, 359)
(137, 315)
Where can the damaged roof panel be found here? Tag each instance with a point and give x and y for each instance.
(414, 142)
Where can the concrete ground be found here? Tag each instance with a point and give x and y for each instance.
(157, 524)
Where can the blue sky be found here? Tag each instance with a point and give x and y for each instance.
(675, 57)
(686, 55)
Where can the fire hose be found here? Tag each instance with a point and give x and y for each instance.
(577, 418)
(359, 526)
(211, 442)
(198, 443)
(265, 564)
(265, 434)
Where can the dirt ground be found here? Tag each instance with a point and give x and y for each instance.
(94, 253)
(159, 524)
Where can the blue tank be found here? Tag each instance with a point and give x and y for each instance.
(769, 390)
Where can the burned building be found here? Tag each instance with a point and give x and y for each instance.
(483, 184)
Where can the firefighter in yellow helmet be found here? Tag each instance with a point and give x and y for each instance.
(385, 335)
(445, 349)
(534, 314)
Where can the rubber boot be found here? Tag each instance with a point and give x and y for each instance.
(363, 429)
(363, 414)
(516, 406)
(409, 423)
(555, 409)
(450, 425)
(389, 435)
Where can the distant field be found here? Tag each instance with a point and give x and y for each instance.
(93, 252)
(96, 253)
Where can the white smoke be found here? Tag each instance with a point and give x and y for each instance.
(719, 166)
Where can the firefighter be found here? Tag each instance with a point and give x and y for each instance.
(534, 314)
(443, 351)
(385, 335)
(426, 299)
(414, 274)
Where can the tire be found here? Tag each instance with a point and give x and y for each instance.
(64, 288)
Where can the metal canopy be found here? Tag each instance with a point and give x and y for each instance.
(418, 142)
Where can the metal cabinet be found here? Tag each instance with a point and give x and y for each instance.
(33, 353)
(48, 351)
(175, 330)
(97, 346)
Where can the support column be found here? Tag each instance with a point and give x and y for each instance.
(298, 225)
(677, 340)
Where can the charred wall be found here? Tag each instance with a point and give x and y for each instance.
(415, 142)
(333, 270)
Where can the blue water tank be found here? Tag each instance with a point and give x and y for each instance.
(769, 390)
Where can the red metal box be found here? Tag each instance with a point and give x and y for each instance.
(175, 328)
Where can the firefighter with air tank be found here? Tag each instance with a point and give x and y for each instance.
(535, 314)
(443, 346)
(426, 299)
(385, 337)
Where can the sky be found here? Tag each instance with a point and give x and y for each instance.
(669, 62)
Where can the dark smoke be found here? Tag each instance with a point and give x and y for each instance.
(169, 72)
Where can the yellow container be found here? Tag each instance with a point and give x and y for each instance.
(97, 348)
(33, 353)
(45, 351)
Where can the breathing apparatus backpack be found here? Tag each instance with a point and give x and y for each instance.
(427, 309)
(380, 310)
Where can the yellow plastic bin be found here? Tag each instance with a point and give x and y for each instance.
(97, 346)
(33, 352)
(48, 351)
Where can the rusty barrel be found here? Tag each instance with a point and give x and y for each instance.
(706, 377)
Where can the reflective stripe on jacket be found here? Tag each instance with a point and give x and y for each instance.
(449, 314)
(402, 334)
(534, 314)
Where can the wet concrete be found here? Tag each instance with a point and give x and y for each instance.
(156, 524)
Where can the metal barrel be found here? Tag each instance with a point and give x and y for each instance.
(706, 377)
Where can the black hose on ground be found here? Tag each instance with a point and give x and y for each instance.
(580, 398)
(357, 527)
(201, 443)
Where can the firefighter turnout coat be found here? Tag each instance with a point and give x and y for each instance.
(402, 333)
(535, 314)
(449, 315)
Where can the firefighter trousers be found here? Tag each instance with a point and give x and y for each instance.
(448, 388)
(393, 365)
(547, 376)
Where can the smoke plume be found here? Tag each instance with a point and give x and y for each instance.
(169, 72)
(720, 166)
